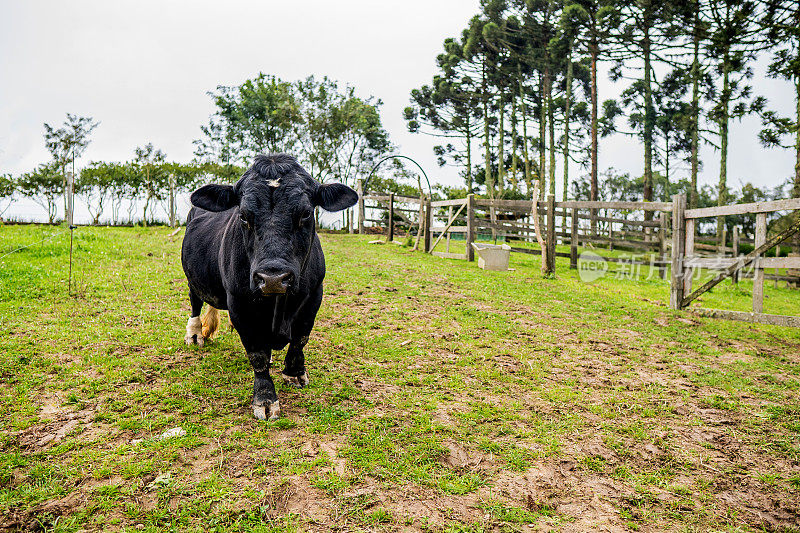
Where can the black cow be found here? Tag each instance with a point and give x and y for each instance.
(252, 249)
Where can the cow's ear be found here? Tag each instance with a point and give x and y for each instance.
(335, 197)
(215, 197)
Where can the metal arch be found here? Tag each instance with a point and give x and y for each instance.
(371, 172)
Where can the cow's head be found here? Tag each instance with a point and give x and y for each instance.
(273, 206)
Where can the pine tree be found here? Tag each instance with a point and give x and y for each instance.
(484, 59)
(447, 109)
(593, 22)
(782, 25)
(733, 40)
(645, 31)
(673, 122)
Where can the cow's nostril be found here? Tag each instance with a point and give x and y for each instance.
(274, 283)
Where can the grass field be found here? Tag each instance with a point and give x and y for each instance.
(442, 398)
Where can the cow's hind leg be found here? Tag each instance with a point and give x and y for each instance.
(194, 327)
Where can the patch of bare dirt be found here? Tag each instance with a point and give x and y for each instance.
(767, 511)
(64, 422)
(424, 507)
(379, 389)
(462, 459)
(297, 495)
(441, 415)
(591, 502)
(44, 516)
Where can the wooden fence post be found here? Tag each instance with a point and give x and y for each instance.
(361, 207)
(688, 251)
(470, 226)
(551, 234)
(391, 216)
(758, 272)
(662, 245)
(573, 240)
(735, 276)
(678, 241)
(428, 224)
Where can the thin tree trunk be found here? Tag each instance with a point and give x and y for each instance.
(649, 119)
(147, 201)
(514, 180)
(528, 181)
(486, 141)
(722, 191)
(542, 133)
(695, 108)
(552, 134)
(469, 157)
(796, 189)
(501, 149)
(567, 109)
(144, 211)
(594, 52)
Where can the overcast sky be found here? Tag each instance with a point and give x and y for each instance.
(143, 69)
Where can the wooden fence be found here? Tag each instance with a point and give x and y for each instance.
(644, 227)
(608, 224)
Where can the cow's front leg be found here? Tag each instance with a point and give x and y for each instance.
(294, 371)
(265, 399)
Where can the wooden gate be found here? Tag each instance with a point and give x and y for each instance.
(684, 261)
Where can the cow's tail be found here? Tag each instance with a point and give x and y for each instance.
(210, 320)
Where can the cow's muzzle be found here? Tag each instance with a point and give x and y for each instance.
(274, 283)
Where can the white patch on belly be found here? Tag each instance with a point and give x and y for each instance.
(274, 183)
(194, 331)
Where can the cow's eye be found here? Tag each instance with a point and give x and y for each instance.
(306, 216)
(245, 220)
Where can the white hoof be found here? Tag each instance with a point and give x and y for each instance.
(194, 331)
(267, 411)
(297, 382)
(274, 410)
